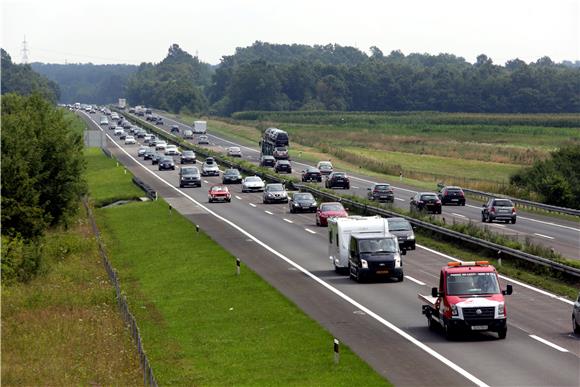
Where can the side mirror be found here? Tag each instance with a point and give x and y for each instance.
(434, 292)
(508, 290)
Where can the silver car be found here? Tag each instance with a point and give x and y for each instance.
(210, 168)
(234, 151)
(275, 193)
(252, 183)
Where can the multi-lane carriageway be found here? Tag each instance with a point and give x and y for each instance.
(562, 235)
(381, 322)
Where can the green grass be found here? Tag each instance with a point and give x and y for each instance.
(204, 325)
(108, 182)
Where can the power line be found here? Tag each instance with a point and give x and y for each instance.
(24, 51)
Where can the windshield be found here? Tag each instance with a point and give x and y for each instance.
(384, 187)
(281, 149)
(303, 197)
(387, 245)
(233, 172)
(234, 149)
(332, 207)
(219, 188)
(472, 283)
(503, 203)
(253, 179)
(187, 153)
(189, 171)
(275, 187)
(429, 197)
(399, 225)
(339, 174)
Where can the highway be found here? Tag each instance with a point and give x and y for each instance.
(561, 235)
(381, 322)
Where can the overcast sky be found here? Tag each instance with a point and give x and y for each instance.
(127, 31)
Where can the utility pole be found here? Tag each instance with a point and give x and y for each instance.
(24, 51)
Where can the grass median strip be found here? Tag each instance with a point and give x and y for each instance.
(204, 325)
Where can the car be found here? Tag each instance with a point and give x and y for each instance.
(166, 162)
(189, 176)
(274, 192)
(325, 167)
(187, 157)
(156, 157)
(141, 133)
(149, 138)
(329, 210)
(232, 176)
(142, 150)
(381, 192)
(159, 120)
(114, 116)
(337, 179)
(219, 192)
(203, 139)
(281, 153)
(267, 161)
(311, 174)
(126, 124)
(123, 135)
(498, 209)
(160, 145)
(452, 195)
(576, 316)
(112, 126)
(252, 183)
(175, 129)
(172, 150)
(425, 201)
(104, 121)
(118, 131)
(149, 153)
(302, 202)
(188, 134)
(148, 117)
(234, 151)
(210, 167)
(130, 140)
(402, 229)
(283, 166)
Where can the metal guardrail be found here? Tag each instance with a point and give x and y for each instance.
(500, 250)
(151, 193)
(528, 203)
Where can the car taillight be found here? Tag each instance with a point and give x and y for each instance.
(420, 202)
(438, 201)
(492, 209)
(513, 210)
(461, 194)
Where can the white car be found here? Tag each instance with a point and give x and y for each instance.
(160, 145)
(104, 121)
(148, 138)
(210, 167)
(203, 140)
(130, 140)
(234, 151)
(325, 167)
(119, 131)
(172, 150)
(252, 183)
(142, 150)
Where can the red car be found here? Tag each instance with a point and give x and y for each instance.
(219, 193)
(329, 210)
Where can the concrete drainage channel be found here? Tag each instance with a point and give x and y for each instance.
(460, 238)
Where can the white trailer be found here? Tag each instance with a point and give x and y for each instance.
(340, 230)
(200, 127)
(122, 103)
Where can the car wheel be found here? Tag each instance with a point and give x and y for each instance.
(575, 325)
(317, 221)
(401, 278)
(514, 221)
(209, 200)
(347, 187)
(430, 323)
(502, 333)
(448, 331)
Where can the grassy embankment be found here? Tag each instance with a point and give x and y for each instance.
(201, 324)
(63, 327)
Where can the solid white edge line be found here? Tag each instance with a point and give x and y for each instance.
(544, 236)
(415, 280)
(461, 216)
(324, 284)
(252, 204)
(288, 220)
(268, 212)
(310, 231)
(399, 199)
(556, 347)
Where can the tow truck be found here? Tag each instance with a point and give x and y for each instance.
(468, 299)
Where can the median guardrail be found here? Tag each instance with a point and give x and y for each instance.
(498, 250)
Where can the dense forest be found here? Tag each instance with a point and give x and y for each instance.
(100, 84)
(21, 79)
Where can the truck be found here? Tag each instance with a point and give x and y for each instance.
(468, 299)
(200, 127)
(122, 103)
(363, 246)
(274, 142)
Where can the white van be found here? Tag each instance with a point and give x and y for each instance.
(200, 127)
(340, 230)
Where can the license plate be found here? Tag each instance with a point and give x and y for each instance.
(479, 327)
(382, 272)
(454, 200)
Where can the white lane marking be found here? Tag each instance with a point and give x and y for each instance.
(252, 204)
(556, 347)
(461, 216)
(206, 182)
(268, 212)
(399, 199)
(353, 187)
(472, 206)
(455, 367)
(288, 220)
(310, 231)
(239, 198)
(497, 225)
(543, 236)
(519, 283)
(415, 280)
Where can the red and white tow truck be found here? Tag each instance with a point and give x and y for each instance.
(468, 299)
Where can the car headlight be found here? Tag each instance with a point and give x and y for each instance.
(411, 236)
(364, 264)
(295, 204)
(501, 309)
(454, 310)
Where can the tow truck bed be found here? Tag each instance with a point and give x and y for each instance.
(427, 300)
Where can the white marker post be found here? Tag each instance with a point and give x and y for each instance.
(238, 262)
(197, 228)
(499, 257)
(336, 351)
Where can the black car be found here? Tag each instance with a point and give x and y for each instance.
(283, 166)
(337, 179)
(426, 201)
(123, 135)
(175, 129)
(149, 153)
(381, 192)
(267, 161)
(166, 162)
(374, 257)
(189, 176)
(302, 202)
(402, 229)
(311, 174)
(498, 209)
(126, 124)
(141, 133)
(159, 121)
(156, 157)
(187, 157)
(232, 176)
(452, 195)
